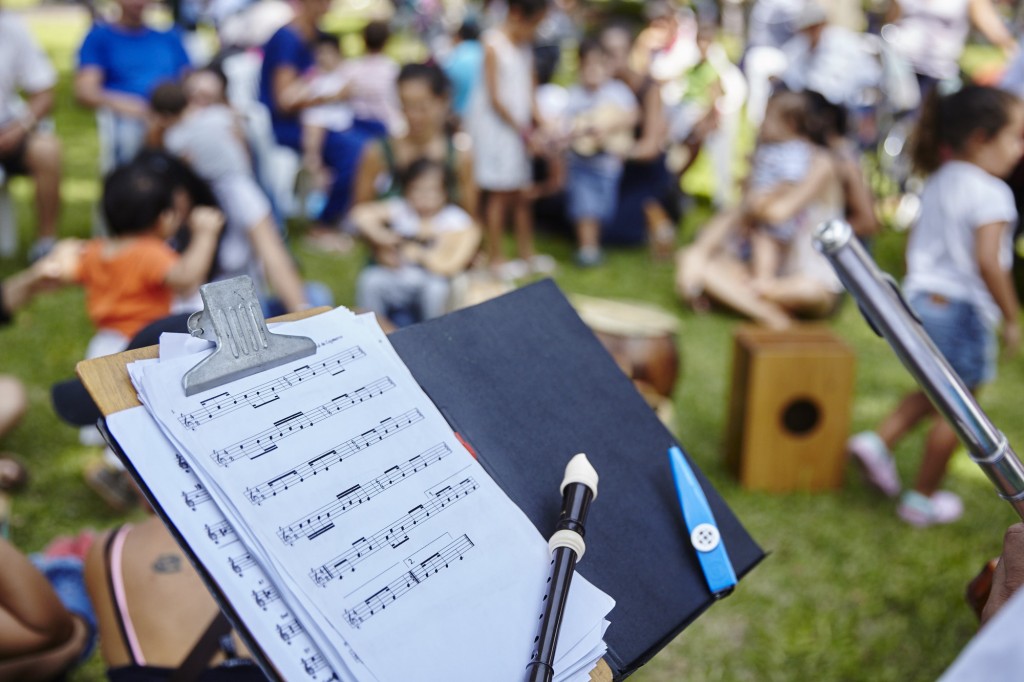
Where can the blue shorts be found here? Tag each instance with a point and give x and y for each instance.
(592, 191)
(67, 578)
(960, 333)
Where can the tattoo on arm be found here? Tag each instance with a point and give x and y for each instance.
(167, 563)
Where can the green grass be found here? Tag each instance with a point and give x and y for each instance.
(847, 592)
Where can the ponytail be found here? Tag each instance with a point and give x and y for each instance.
(947, 122)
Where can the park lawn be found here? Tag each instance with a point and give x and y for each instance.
(847, 591)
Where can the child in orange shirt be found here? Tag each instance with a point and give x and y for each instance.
(131, 277)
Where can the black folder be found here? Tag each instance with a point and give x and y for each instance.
(527, 385)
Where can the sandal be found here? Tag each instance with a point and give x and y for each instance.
(13, 474)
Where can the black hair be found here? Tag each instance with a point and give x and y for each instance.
(470, 30)
(325, 38)
(376, 35)
(794, 109)
(947, 122)
(168, 98)
(825, 119)
(431, 74)
(527, 9)
(134, 197)
(591, 44)
(418, 169)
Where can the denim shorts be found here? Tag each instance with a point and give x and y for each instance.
(592, 191)
(67, 578)
(958, 330)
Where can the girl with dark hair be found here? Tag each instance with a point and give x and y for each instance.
(958, 279)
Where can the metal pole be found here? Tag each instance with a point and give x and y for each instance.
(888, 313)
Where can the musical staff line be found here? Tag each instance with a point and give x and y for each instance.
(269, 391)
(221, 533)
(289, 631)
(325, 460)
(265, 596)
(266, 441)
(196, 496)
(432, 565)
(393, 535)
(314, 664)
(319, 521)
(240, 563)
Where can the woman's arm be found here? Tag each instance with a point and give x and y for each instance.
(32, 618)
(89, 93)
(779, 206)
(860, 202)
(278, 265)
(988, 240)
(655, 126)
(371, 165)
(988, 22)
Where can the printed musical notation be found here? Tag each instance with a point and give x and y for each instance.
(265, 596)
(419, 572)
(221, 533)
(314, 664)
(266, 441)
(394, 535)
(325, 460)
(289, 631)
(319, 521)
(240, 563)
(182, 463)
(196, 496)
(269, 391)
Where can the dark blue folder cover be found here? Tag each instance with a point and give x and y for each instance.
(527, 385)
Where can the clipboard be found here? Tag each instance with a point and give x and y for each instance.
(108, 382)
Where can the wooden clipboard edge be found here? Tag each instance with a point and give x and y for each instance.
(107, 381)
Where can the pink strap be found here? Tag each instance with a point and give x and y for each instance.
(117, 581)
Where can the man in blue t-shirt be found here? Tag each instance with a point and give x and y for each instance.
(118, 65)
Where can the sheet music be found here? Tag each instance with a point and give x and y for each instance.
(188, 506)
(343, 483)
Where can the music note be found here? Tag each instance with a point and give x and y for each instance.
(196, 496)
(221, 532)
(416, 575)
(241, 562)
(336, 455)
(393, 535)
(266, 441)
(321, 520)
(268, 392)
(289, 631)
(314, 664)
(182, 463)
(264, 596)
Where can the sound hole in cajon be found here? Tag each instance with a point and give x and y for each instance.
(801, 416)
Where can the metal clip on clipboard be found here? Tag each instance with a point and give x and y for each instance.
(233, 319)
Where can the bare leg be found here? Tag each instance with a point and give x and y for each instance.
(523, 217)
(494, 223)
(43, 159)
(728, 282)
(588, 233)
(912, 409)
(764, 258)
(938, 449)
(13, 403)
(692, 261)
(801, 295)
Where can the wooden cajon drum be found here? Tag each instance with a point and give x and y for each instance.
(789, 409)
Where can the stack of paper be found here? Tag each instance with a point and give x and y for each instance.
(345, 522)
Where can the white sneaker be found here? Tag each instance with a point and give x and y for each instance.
(918, 510)
(542, 264)
(877, 463)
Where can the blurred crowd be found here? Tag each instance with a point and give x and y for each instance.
(245, 125)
